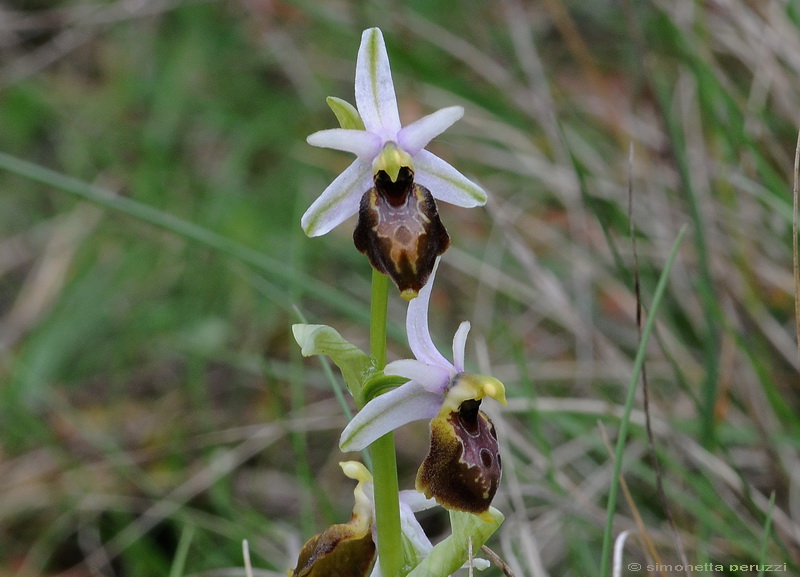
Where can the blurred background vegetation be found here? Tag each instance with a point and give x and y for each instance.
(154, 409)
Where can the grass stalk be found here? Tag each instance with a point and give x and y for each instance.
(762, 558)
(795, 252)
(188, 230)
(179, 561)
(623, 427)
(705, 282)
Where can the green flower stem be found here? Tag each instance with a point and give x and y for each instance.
(377, 327)
(387, 505)
(387, 502)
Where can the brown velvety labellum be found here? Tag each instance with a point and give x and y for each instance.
(463, 467)
(337, 551)
(399, 229)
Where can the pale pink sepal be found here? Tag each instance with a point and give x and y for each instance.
(418, 134)
(445, 182)
(419, 336)
(363, 144)
(407, 403)
(339, 201)
(375, 97)
(433, 378)
(460, 346)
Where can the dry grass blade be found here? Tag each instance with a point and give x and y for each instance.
(795, 267)
(643, 532)
(44, 285)
(651, 444)
(76, 27)
(248, 567)
(495, 558)
(619, 547)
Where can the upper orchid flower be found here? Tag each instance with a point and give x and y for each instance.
(394, 180)
(462, 469)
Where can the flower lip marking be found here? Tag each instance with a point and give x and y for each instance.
(399, 229)
(463, 467)
(466, 417)
(395, 192)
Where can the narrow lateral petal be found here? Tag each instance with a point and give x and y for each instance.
(406, 403)
(445, 182)
(416, 501)
(412, 530)
(460, 345)
(363, 144)
(433, 378)
(339, 201)
(418, 134)
(419, 336)
(375, 98)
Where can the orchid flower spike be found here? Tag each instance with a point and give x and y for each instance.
(393, 182)
(462, 469)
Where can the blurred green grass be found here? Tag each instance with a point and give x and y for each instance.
(149, 383)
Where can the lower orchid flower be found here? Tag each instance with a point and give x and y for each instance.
(348, 549)
(463, 467)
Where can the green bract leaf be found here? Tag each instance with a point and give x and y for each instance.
(452, 553)
(378, 383)
(411, 557)
(356, 366)
(346, 113)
